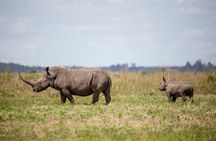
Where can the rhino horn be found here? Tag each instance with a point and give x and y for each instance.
(26, 81)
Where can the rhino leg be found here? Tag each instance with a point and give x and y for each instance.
(191, 98)
(174, 99)
(107, 96)
(169, 96)
(95, 97)
(191, 95)
(184, 98)
(63, 98)
(67, 94)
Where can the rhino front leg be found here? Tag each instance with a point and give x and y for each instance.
(67, 94)
(169, 96)
(63, 98)
(173, 98)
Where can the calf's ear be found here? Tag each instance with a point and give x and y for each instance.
(164, 79)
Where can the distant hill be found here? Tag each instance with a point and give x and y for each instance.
(12, 67)
(197, 66)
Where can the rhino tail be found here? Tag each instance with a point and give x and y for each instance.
(107, 91)
(110, 84)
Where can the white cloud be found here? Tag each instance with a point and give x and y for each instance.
(14, 48)
(3, 20)
(116, 1)
(197, 6)
(22, 24)
(91, 28)
(30, 46)
(194, 33)
(139, 31)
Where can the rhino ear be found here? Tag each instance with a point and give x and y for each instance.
(164, 79)
(50, 75)
(47, 70)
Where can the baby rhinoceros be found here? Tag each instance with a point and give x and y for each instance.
(176, 89)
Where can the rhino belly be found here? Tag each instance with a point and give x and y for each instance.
(176, 94)
(82, 92)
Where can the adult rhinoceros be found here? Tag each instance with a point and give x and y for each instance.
(80, 82)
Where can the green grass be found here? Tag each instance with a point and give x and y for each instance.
(138, 111)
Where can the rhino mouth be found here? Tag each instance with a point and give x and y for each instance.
(36, 90)
(162, 89)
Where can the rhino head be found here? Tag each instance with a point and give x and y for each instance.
(163, 85)
(43, 84)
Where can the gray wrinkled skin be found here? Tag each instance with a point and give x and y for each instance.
(80, 82)
(176, 89)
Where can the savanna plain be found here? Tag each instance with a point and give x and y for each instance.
(138, 110)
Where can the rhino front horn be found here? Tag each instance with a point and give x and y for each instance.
(26, 81)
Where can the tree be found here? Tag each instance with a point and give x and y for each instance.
(198, 66)
(188, 66)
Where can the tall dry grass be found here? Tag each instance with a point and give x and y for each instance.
(148, 83)
(125, 83)
(138, 110)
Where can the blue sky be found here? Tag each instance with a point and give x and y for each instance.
(104, 32)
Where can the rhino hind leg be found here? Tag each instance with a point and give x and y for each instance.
(95, 97)
(184, 98)
(107, 96)
(191, 97)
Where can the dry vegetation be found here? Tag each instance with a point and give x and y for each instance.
(138, 111)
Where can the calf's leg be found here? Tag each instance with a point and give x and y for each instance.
(174, 99)
(169, 97)
(184, 98)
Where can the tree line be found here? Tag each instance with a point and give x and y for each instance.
(197, 66)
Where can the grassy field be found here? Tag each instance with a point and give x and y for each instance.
(138, 111)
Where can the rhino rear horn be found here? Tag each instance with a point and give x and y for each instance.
(26, 81)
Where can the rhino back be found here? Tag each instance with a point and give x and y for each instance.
(78, 81)
(178, 86)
